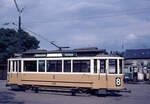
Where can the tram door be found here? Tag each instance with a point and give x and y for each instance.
(16, 69)
(113, 80)
(103, 72)
(102, 75)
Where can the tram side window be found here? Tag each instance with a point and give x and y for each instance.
(54, 66)
(112, 66)
(120, 65)
(19, 66)
(102, 66)
(41, 66)
(16, 66)
(30, 66)
(67, 65)
(9, 66)
(13, 66)
(95, 66)
(81, 66)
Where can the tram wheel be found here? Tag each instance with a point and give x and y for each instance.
(36, 89)
(73, 92)
(22, 88)
(17, 87)
(14, 87)
(101, 92)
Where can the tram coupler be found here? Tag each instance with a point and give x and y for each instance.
(125, 90)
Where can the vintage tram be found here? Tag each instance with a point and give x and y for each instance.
(99, 73)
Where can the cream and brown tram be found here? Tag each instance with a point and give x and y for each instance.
(90, 73)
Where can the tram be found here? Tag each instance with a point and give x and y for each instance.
(89, 73)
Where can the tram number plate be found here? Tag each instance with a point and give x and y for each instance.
(118, 81)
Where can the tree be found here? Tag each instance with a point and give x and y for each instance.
(9, 40)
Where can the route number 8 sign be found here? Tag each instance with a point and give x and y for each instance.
(118, 81)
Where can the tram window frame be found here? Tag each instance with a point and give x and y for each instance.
(67, 66)
(114, 69)
(34, 68)
(13, 66)
(56, 67)
(95, 65)
(41, 65)
(120, 66)
(102, 66)
(78, 69)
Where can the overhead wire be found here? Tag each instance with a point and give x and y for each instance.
(39, 35)
(34, 33)
(106, 15)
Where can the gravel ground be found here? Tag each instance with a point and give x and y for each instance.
(140, 95)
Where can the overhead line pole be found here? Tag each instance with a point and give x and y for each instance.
(19, 26)
(19, 31)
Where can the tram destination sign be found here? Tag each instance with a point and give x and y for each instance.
(54, 55)
(69, 54)
(40, 55)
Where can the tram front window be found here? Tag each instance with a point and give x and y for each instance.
(81, 66)
(120, 66)
(95, 66)
(112, 66)
(30, 66)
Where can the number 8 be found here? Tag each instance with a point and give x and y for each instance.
(118, 81)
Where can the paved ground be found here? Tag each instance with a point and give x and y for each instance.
(140, 95)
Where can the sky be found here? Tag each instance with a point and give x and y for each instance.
(106, 24)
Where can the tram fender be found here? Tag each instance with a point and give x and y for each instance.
(7, 85)
(121, 90)
(125, 90)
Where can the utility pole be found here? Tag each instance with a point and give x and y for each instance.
(19, 34)
(122, 45)
(19, 31)
(19, 25)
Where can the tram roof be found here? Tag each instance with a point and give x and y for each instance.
(67, 51)
(80, 52)
(92, 51)
(86, 57)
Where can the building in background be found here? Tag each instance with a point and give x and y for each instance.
(137, 64)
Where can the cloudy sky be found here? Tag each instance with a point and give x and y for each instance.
(108, 24)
